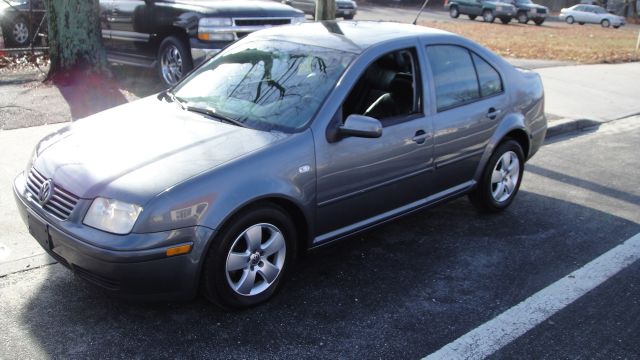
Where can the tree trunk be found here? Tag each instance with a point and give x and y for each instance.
(75, 37)
(325, 10)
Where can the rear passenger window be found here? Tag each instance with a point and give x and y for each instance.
(461, 76)
(454, 76)
(490, 83)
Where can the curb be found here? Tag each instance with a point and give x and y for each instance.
(564, 126)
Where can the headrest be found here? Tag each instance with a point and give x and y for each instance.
(402, 87)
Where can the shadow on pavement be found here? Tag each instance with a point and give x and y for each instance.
(400, 291)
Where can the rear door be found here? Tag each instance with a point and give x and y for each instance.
(470, 102)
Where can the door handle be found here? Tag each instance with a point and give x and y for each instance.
(420, 137)
(493, 113)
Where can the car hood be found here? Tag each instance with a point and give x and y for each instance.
(135, 151)
(228, 8)
(531, 6)
(498, 3)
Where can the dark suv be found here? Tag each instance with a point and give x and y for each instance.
(528, 10)
(488, 9)
(174, 35)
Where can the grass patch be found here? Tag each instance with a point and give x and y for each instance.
(588, 44)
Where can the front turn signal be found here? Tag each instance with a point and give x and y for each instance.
(179, 250)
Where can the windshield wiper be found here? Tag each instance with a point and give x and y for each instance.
(173, 98)
(212, 113)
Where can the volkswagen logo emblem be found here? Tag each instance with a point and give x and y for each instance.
(46, 191)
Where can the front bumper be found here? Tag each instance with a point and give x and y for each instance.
(146, 273)
(346, 12)
(500, 13)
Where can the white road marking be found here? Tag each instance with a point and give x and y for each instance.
(511, 324)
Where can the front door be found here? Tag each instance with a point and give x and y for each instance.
(360, 178)
(128, 23)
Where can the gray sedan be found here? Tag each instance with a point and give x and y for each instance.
(290, 139)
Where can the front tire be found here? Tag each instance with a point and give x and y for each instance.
(348, 17)
(505, 20)
(174, 60)
(522, 17)
(500, 179)
(472, 17)
(605, 23)
(249, 259)
(569, 20)
(538, 22)
(488, 16)
(454, 12)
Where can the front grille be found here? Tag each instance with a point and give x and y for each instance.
(60, 204)
(542, 11)
(261, 22)
(345, 6)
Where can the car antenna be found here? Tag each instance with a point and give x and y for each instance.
(420, 12)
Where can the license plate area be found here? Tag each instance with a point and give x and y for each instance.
(40, 232)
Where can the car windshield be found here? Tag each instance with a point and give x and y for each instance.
(265, 85)
(523, 1)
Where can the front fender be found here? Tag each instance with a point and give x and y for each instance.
(284, 170)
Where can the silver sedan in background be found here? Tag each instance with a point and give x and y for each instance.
(591, 14)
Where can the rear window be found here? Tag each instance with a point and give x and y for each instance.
(461, 76)
(454, 76)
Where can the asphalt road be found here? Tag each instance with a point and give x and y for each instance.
(401, 291)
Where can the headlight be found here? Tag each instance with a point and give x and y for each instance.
(112, 215)
(209, 29)
(213, 22)
(297, 20)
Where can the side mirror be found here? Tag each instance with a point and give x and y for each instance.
(361, 126)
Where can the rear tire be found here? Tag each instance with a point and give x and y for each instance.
(580, 23)
(569, 20)
(616, 26)
(488, 16)
(505, 20)
(472, 17)
(174, 60)
(500, 179)
(17, 32)
(454, 12)
(247, 262)
(605, 23)
(538, 22)
(348, 17)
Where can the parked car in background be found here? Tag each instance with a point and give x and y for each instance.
(289, 139)
(528, 10)
(591, 14)
(173, 36)
(19, 20)
(489, 10)
(346, 9)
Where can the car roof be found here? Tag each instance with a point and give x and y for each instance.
(350, 36)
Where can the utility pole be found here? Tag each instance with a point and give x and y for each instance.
(325, 10)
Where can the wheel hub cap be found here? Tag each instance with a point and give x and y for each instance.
(255, 259)
(504, 178)
(20, 32)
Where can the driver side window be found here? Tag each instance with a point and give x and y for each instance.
(387, 90)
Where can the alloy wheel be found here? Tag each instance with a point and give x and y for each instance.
(255, 259)
(504, 178)
(171, 64)
(20, 32)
